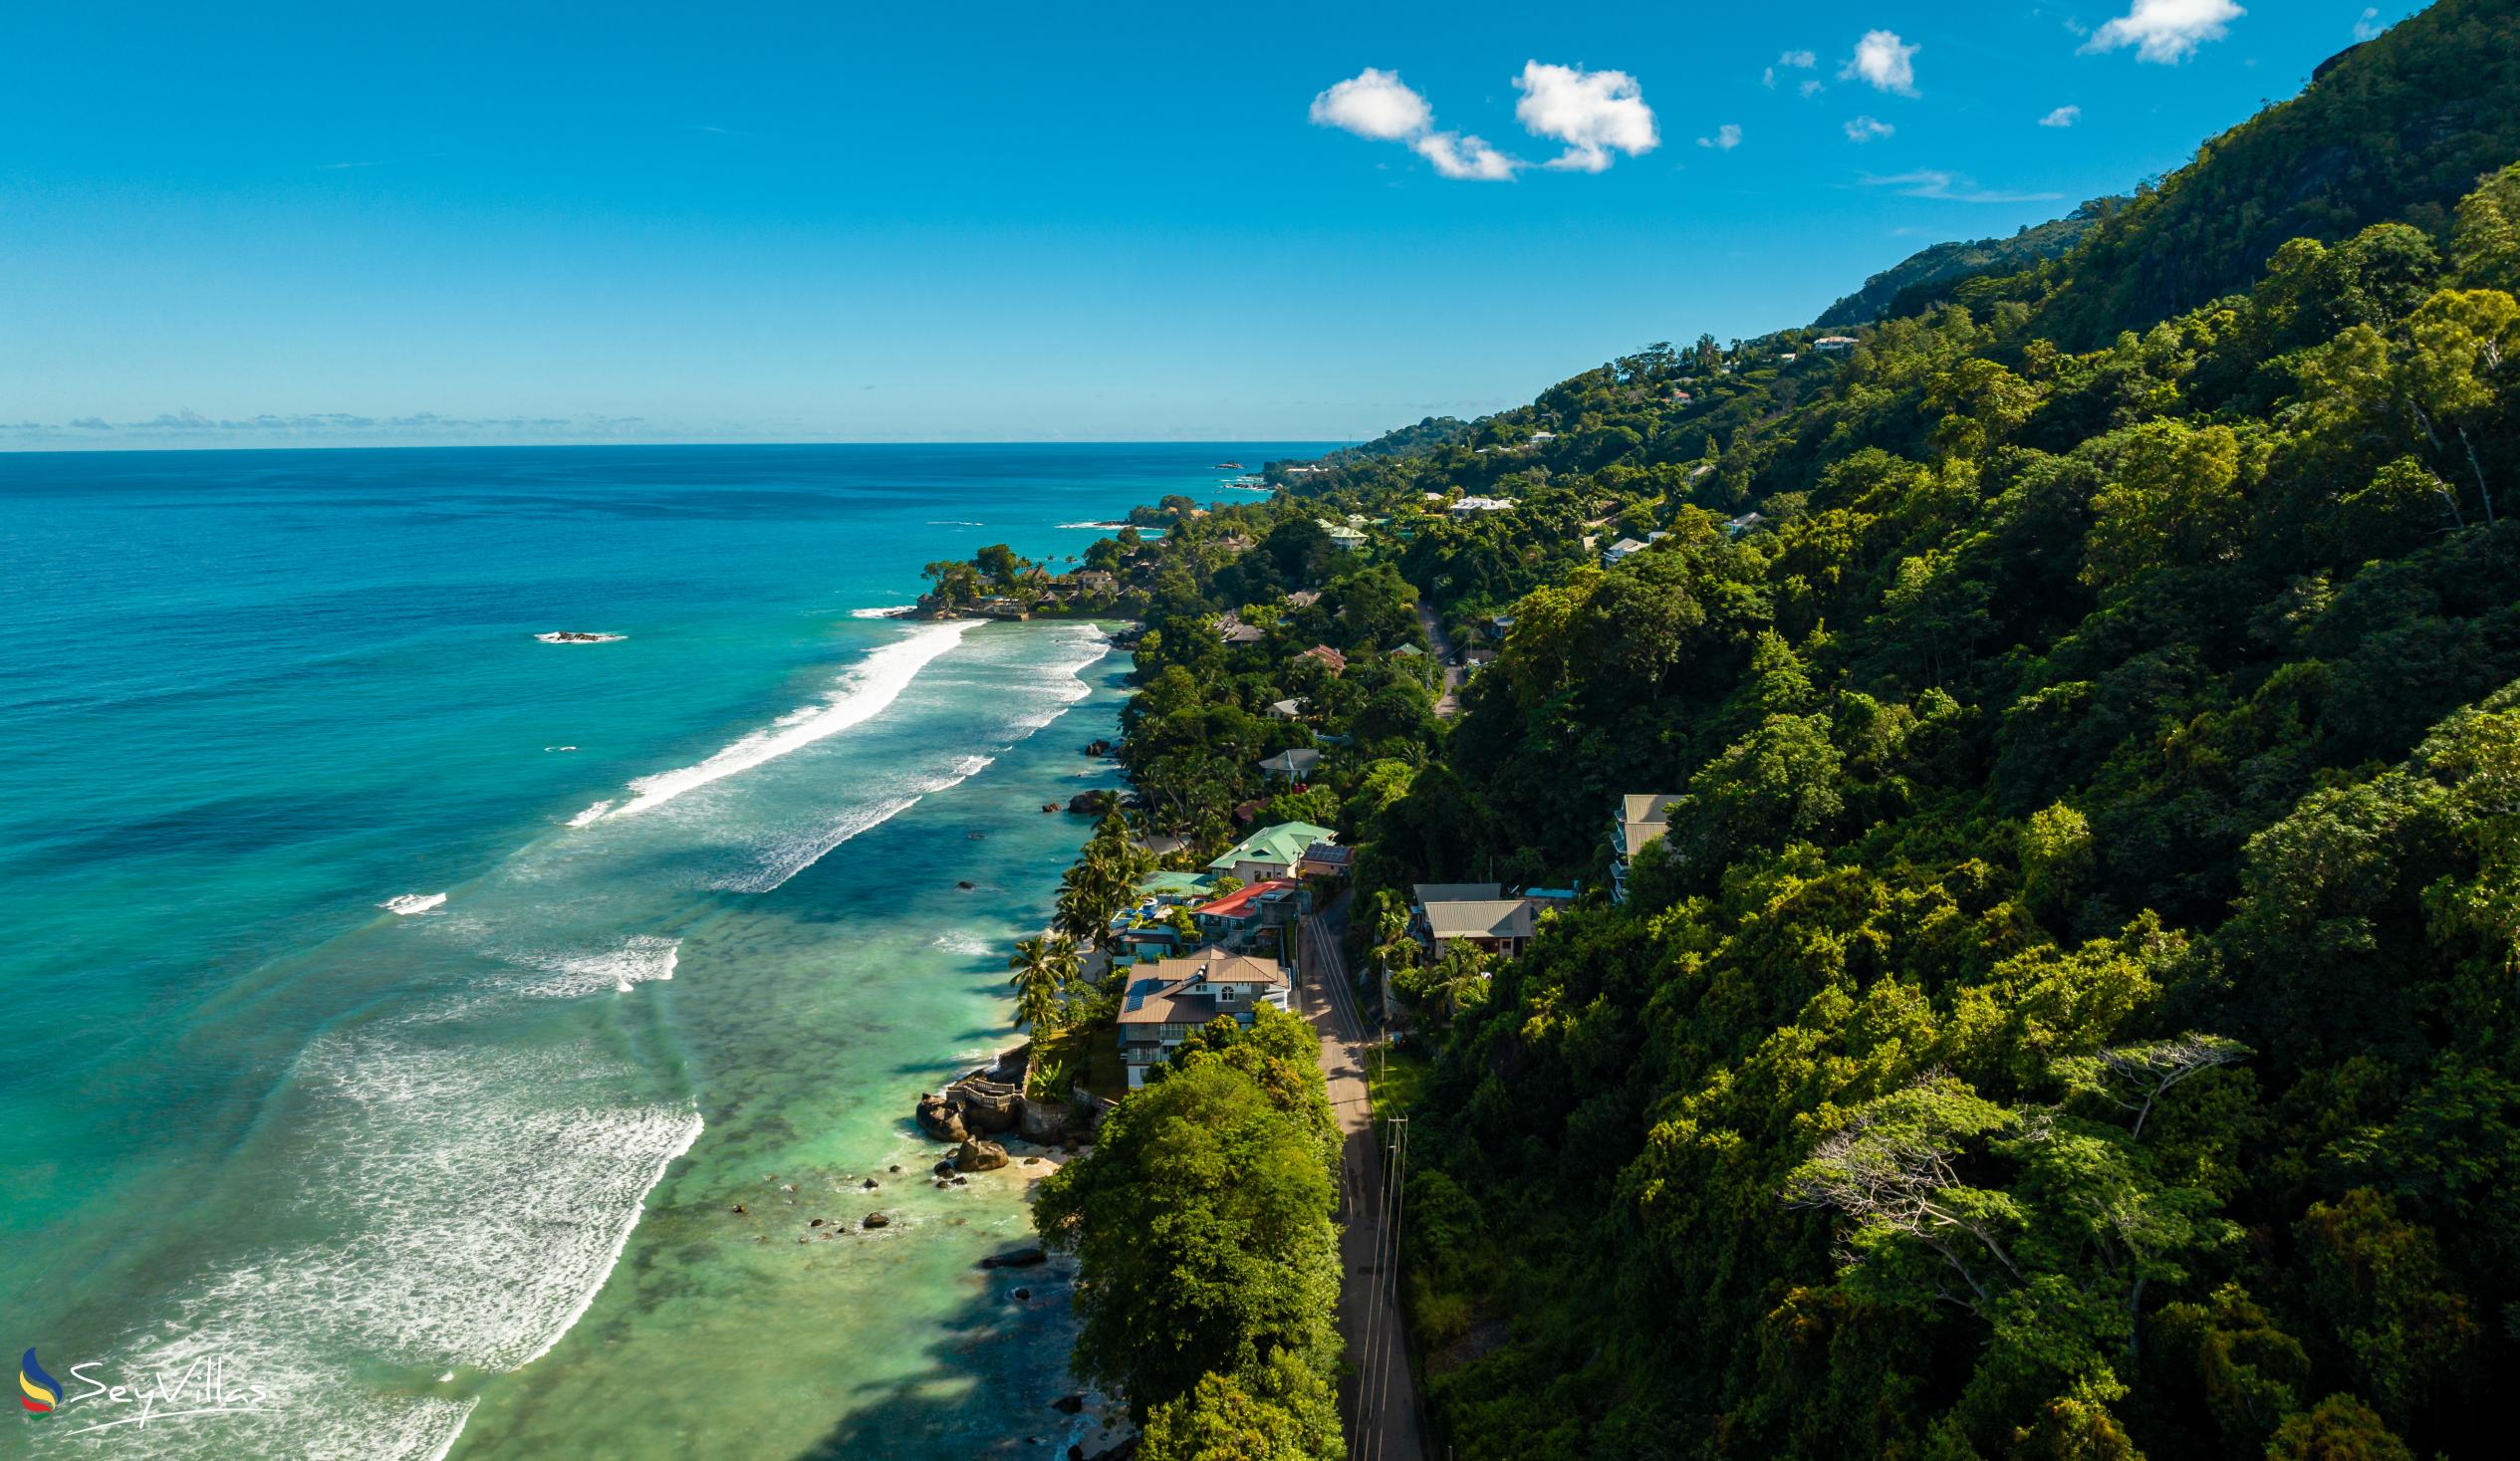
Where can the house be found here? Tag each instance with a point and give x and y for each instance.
(1500, 926)
(1408, 651)
(1169, 1000)
(1272, 852)
(1336, 661)
(1288, 709)
(1001, 608)
(1254, 918)
(1641, 820)
(1479, 658)
(1499, 625)
(1325, 859)
(1471, 505)
(1542, 438)
(1444, 913)
(1173, 888)
(1303, 599)
(1744, 523)
(1343, 535)
(1291, 765)
(1835, 343)
(1147, 929)
(1446, 892)
(1233, 631)
(1094, 581)
(1628, 548)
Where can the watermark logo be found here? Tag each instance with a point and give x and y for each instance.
(38, 1391)
(205, 1387)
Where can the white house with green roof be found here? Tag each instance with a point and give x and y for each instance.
(1272, 852)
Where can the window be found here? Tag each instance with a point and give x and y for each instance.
(1224, 994)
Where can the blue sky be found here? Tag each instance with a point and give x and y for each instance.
(268, 225)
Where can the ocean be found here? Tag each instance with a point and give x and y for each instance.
(402, 1003)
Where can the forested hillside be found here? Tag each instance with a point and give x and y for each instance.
(2072, 1010)
(2072, 1013)
(1912, 283)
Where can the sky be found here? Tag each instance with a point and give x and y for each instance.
(268, 225)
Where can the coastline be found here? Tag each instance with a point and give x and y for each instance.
(840, 1272)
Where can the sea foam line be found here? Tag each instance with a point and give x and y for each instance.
(861, 694)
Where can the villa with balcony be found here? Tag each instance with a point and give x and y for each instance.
(1169, 1000)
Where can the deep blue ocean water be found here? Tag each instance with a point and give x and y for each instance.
(461, 1172)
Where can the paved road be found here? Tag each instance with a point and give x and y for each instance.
(1379, 1400)
(1451, 700)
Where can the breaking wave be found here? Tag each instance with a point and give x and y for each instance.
(861, 694)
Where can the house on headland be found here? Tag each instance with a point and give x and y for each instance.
(1169, 1000)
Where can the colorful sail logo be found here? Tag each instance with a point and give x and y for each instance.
(39, 1392)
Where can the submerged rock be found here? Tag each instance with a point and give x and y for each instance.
(875, 1220)
(976, 1155)
(1015, 1258)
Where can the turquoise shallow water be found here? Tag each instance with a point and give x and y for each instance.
(461, 1175)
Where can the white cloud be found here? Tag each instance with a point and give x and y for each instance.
(1952, 187)
(1376, 105)
(1885, 60)
(1865, 129)
(1812, 88)
(1789, 60)
(2062, 116)
(2167, 32)
(2367, 24)
(1726, 137)
(1594, 113)
(1373, 103)
(1464, 158)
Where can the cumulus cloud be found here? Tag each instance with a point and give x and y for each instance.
(2367, 25)
(1593, 112)
(1377, 105)
(1866, 128)
(1726, 137)
(1884, 60)
(2062, 116)
(1465, 158)
(2167, 32)
(1952, 187)
(1792, 60)
(1373, 103)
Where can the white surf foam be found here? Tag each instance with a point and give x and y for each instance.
(567, 637)
(861, 694)
(968, 945)
(411, 904)
(894, 611)
(642, 959)
(486, 1200)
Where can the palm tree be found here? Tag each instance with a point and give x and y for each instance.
(1043, 969)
